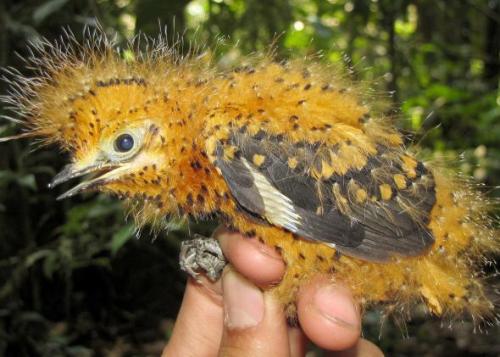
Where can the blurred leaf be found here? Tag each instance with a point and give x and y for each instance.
(28, 181)
(121, 237)
(24, 180)
(51, 264)
(34, 257)
(47, 9)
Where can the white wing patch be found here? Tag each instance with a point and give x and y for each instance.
(278, 208)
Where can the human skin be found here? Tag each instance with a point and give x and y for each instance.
(234, 317)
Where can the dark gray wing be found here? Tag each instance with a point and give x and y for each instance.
(264, 184)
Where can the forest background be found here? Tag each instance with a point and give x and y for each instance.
(74, 280)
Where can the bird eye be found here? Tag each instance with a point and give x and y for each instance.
(124, 143)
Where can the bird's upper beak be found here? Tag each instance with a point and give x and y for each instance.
(107, 171)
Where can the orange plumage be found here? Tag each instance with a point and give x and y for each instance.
(173, 136)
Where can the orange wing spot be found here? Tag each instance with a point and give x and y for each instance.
(229, 152)
(409, 165)
(361, 195)
(395, 139)
(211, 145)
(342, 202)
(326, 170)
(385, 191)
(292, 162)
(400, 181)
(339, 166)
(258, 159)
(352, 157)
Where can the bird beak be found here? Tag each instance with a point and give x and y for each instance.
(107, 173)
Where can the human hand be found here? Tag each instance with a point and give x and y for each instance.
(233, 317)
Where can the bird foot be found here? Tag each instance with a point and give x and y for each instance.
(202, 255)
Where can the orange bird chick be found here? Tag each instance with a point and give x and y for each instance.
(287, 152)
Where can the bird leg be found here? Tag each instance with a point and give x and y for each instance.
(202, 254)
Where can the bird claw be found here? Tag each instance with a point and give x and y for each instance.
(202, 254)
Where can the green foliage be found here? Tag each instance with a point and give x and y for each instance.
(73, 278)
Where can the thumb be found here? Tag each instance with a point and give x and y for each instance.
(254, 323)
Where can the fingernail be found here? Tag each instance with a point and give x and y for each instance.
(337, 307)
(243, 302)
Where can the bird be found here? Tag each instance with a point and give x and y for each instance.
(292, 153)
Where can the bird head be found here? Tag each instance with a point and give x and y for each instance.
(126, 124)
(115, 137)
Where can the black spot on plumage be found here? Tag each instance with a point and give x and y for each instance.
(326, 87)
(364, 118)
(251, 233)
(196, 165)
(261, 134)
(420, 169)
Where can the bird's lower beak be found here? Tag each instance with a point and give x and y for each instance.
(107, 173)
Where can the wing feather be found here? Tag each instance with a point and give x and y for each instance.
(294, 199)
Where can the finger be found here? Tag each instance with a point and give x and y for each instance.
(363, 348)
(198, 327)
(254, 260)
(297, 342)
(254, 323)
(328, 315)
